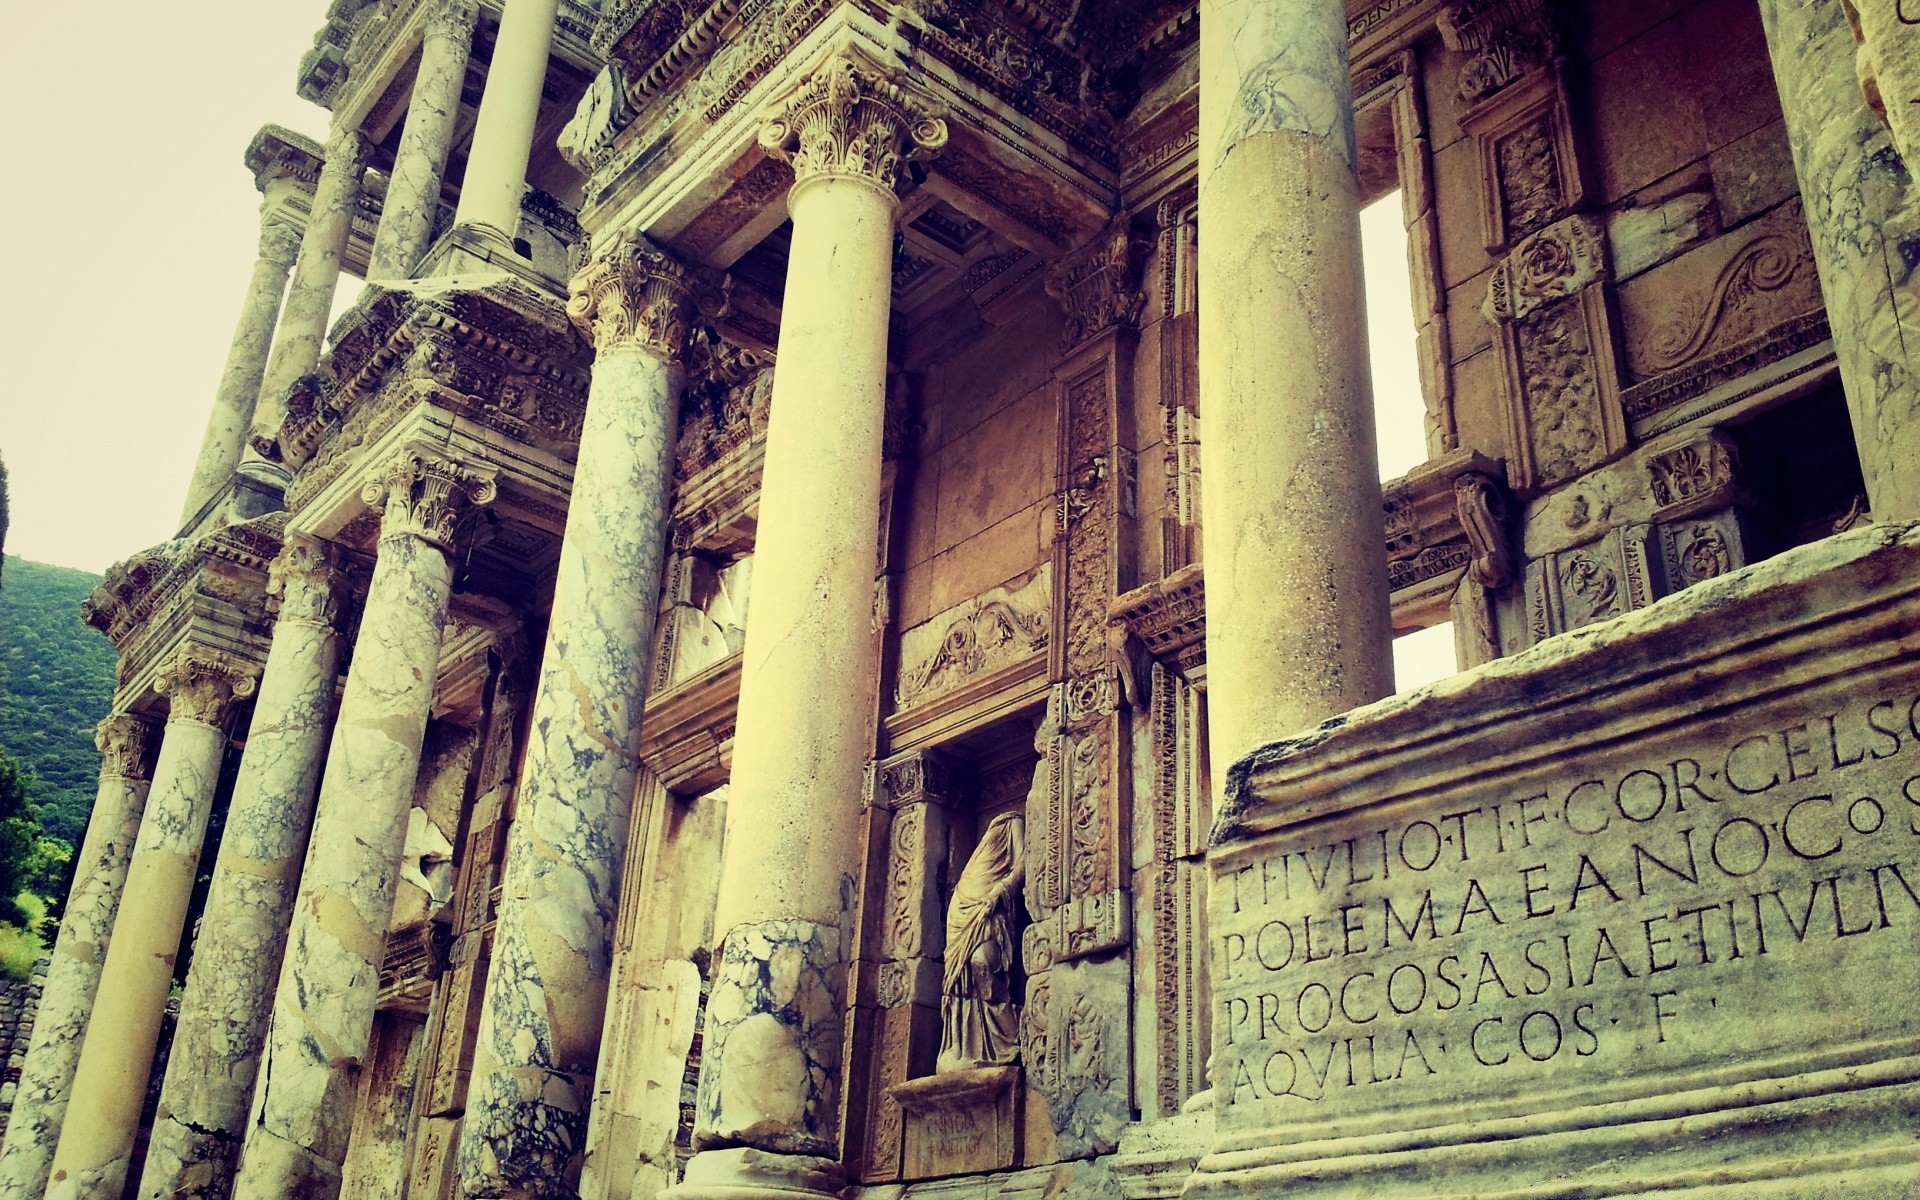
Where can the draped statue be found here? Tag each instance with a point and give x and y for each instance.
(980, 1021)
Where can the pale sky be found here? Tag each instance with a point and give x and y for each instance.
(133, 227)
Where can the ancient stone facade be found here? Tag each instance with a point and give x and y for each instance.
(810, 636)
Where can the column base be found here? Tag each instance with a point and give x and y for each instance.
(744, 1173)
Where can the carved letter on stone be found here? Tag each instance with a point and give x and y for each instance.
(980, 1018)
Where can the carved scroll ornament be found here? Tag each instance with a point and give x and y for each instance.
(849, 121)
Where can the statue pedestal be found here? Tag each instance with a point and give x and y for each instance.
(960, 1122)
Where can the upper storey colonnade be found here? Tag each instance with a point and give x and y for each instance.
(477, 469)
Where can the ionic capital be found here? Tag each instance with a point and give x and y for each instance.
(427, 497)
(279, 242)
(201, 685)
(125, 743)
(636, 294)
(307, 581)
(848, 120)
(452, 18)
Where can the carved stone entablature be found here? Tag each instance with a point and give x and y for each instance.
(1506, 38)
(1549, 265)
(916, 777)
(1169, 617)
(202, 685)
(851, 119)
(128, 599)
(425, 496)
(636, 294)
(1446, 516)
(126, 743)
(725, 404)
(415, 957)
(1569, 589)
(1099, 285)
(503, 356)
(279, 153)
(323, 69)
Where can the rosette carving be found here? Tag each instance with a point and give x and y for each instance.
(849, 121)
(636, 294)
(201, 685)
(427, 497)
(307, 581)
(125, 743)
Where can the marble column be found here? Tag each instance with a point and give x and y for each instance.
(420, 166)
(526, 1114)
(1297, 611)
(509, 109)
(318, 1035)
(73, 974)
(226, 436)
(223, 1015)
(1863, 211)
(110, 1084)
(767, 1114)
(316, 275)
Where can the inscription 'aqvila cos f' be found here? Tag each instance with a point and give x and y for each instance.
(1702, 906)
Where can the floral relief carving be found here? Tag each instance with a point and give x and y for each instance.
(847, 120)
(1703, 553)
(1506, 38)
(1548, 265)
(994, 632)
(1731, 311)
(1561, 392)
(1531, 192)
(1590, 589)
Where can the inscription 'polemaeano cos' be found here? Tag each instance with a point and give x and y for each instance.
(1596, 918)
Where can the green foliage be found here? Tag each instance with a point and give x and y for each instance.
(56, 683)
(3, 517)
(19, 837)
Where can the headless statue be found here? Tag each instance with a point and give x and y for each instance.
(980, 1022)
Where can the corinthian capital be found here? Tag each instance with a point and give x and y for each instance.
(348, 150)
(201, 685)
(1097, 285)
(452, 18)
(850, 121)
(636, 294)
(125, 742)
(307, 581)
(427, 497)
(279, 242)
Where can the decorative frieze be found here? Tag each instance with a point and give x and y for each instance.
(849, 120)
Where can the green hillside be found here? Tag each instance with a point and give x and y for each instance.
(56, 682)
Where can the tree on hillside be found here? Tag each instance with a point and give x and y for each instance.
(3, 517)
(19, 838)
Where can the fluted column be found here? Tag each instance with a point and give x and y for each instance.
(202, 1116)
(420, 166)
(318, 1037)
(232, 415)
(1862, 209)
(539, 1041)
(767, 1112)
(316, 275)
(1297, 620)
(73, 974)
(110, 1084)
(509, 109)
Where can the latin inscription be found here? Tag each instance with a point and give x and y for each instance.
(1611, 921)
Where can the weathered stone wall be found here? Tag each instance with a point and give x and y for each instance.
(19, 1002)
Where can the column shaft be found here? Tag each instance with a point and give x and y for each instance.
(316, 275)
(539, 1038)
(509, 109)
(110, 1084)
(227, 425)
(322, 1019)
(771, 1069)
(223, 1016)
(1297, 611)
(413, 192)
(73, 975)
(1861, 206)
